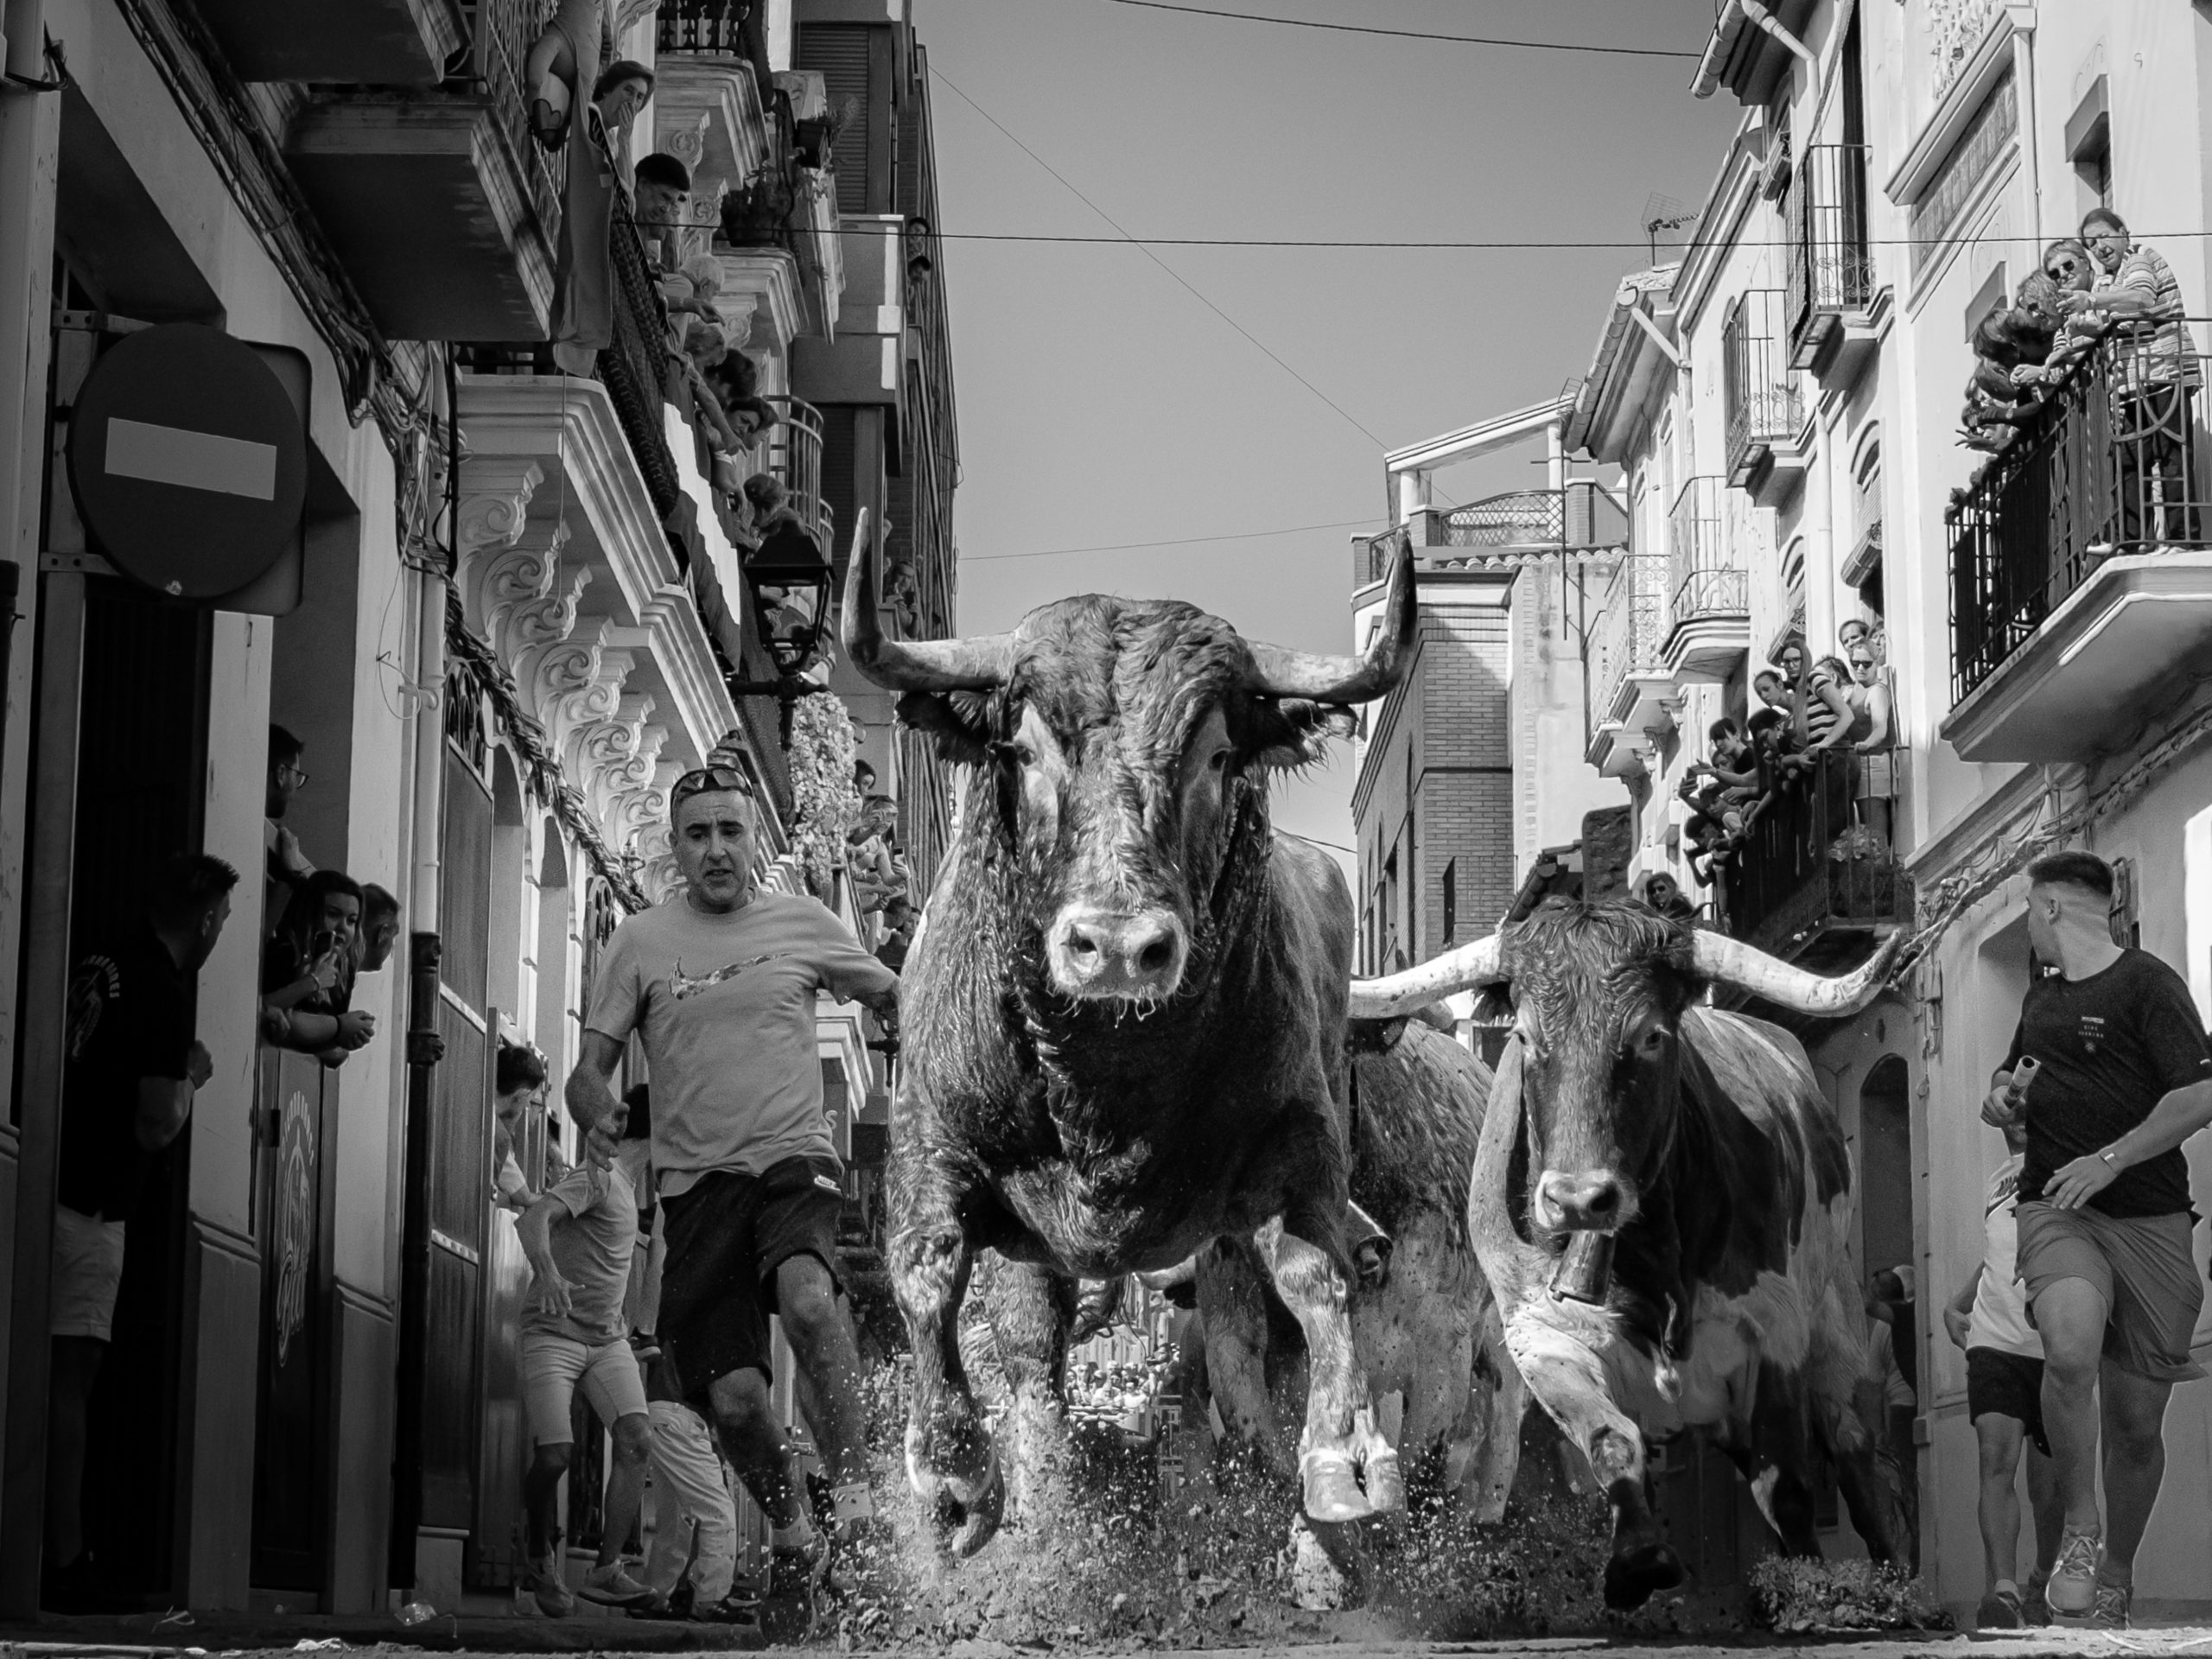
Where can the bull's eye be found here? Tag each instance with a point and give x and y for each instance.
(1653, 1043)
(1016, 754)
(1218, 761)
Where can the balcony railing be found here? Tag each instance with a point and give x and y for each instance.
(501, 34)
(1582, 518)
(1831, 264)
(1763, 404)
(634, 368)
(795, 458)
(1805, 866)
(1626, 638)
(1704, 572)
(2112, 463)
(715, 27)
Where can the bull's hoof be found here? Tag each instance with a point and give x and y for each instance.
(1330, 1487)
(1633, 1574)
(1386, 1487)
(967, 1509)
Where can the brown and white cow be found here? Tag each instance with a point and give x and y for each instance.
(1693, 1145)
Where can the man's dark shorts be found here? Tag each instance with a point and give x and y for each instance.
(2006, 1385)
(727, 1236)
(2141, 1264)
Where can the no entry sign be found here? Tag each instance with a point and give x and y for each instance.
(188, 460)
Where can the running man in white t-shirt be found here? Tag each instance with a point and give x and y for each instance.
(1989, 1318)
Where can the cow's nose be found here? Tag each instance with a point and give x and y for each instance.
(1591, 1199)
(1108, 954)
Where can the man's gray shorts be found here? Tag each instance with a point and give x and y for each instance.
(2141, 1264)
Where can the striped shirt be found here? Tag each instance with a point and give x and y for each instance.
(2159, 356)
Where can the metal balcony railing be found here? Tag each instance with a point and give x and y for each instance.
(1831, 263)
(1625, 638)
(1804, 866)
(500, 36)
(1582, 518)
(1704, 572)
(1765, 406)
(2114, 463)
(713, 27)
(795, 458)
(634, 368)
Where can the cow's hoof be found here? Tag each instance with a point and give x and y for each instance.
(1633, 1574)
(1330, 1486)
(1386, 1487)
(967, 1509)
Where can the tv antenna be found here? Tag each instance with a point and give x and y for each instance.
(1664, 214)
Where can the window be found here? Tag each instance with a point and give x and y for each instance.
(1450, 897)
(2088, 146)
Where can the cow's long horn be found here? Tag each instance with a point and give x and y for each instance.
(1479, 963)
(975, 663)
(1732, 962)
(1280, 673)
(1514, 1267)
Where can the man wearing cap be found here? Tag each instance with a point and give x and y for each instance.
(720, 984)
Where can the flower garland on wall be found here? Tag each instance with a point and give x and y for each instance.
(826, 802)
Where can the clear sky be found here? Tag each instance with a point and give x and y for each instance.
(1102, 403)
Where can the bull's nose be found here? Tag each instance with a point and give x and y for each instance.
(1136, 955)
(1590, 1199)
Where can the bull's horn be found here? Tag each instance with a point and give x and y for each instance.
(1278, 673)
(1386, 999)
(1165, 1278)
(976, 664)
(1731, 962)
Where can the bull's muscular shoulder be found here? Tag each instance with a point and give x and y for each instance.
(1312, 904)
(1758, 1149)
(1418, 1112)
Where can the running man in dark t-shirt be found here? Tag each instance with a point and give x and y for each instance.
(2124, 1078)
(131, 1067)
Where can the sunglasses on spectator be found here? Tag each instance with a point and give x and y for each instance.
(705, 780)
(2058, 269)
(1862, 662)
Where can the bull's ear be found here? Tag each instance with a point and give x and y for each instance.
(959, 738)
(1299, 733)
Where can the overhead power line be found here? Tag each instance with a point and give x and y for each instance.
(1157, 260)
(1416, 34)
(1180, 541)
(1470, 245)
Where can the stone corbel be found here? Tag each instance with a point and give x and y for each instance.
(495, 503)
(640, 820)
(605, 757)
(520, 598)
(660, 878)
(573, 683)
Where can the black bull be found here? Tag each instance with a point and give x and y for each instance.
(1696, 1142)
(1124, 1014)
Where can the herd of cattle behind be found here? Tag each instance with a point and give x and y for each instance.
(1134, 1045)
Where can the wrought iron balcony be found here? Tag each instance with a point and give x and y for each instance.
(443, 209)
(1629, 686)
(634, 368)
(1499, 530)
(795, 458)
(1765, 406)
(1806, 872)
(2097, 506)
(1709, 620)
(1831, 263)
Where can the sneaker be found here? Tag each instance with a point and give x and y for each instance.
(2000, 1611)
(732, 1609)
(542, 1582)
(801, 1566)
(612, 1586)
(2110, 1612)
(2072, 1590)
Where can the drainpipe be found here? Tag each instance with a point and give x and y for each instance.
(1716, 50)
(2023, 82)
(423, 1047)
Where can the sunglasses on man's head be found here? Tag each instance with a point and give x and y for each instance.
(704, 780)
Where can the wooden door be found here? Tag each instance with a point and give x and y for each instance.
(295, 1101)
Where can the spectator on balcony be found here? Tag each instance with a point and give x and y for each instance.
(2134, 292)
(618, 97)
(287, 866)
(900, 919)
(562, 69)
(1874, 703)
(2067, 267)
(736, 381)
(661, 202)
(1659, 891)
(875, 876)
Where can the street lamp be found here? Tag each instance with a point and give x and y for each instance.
(791, 583)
